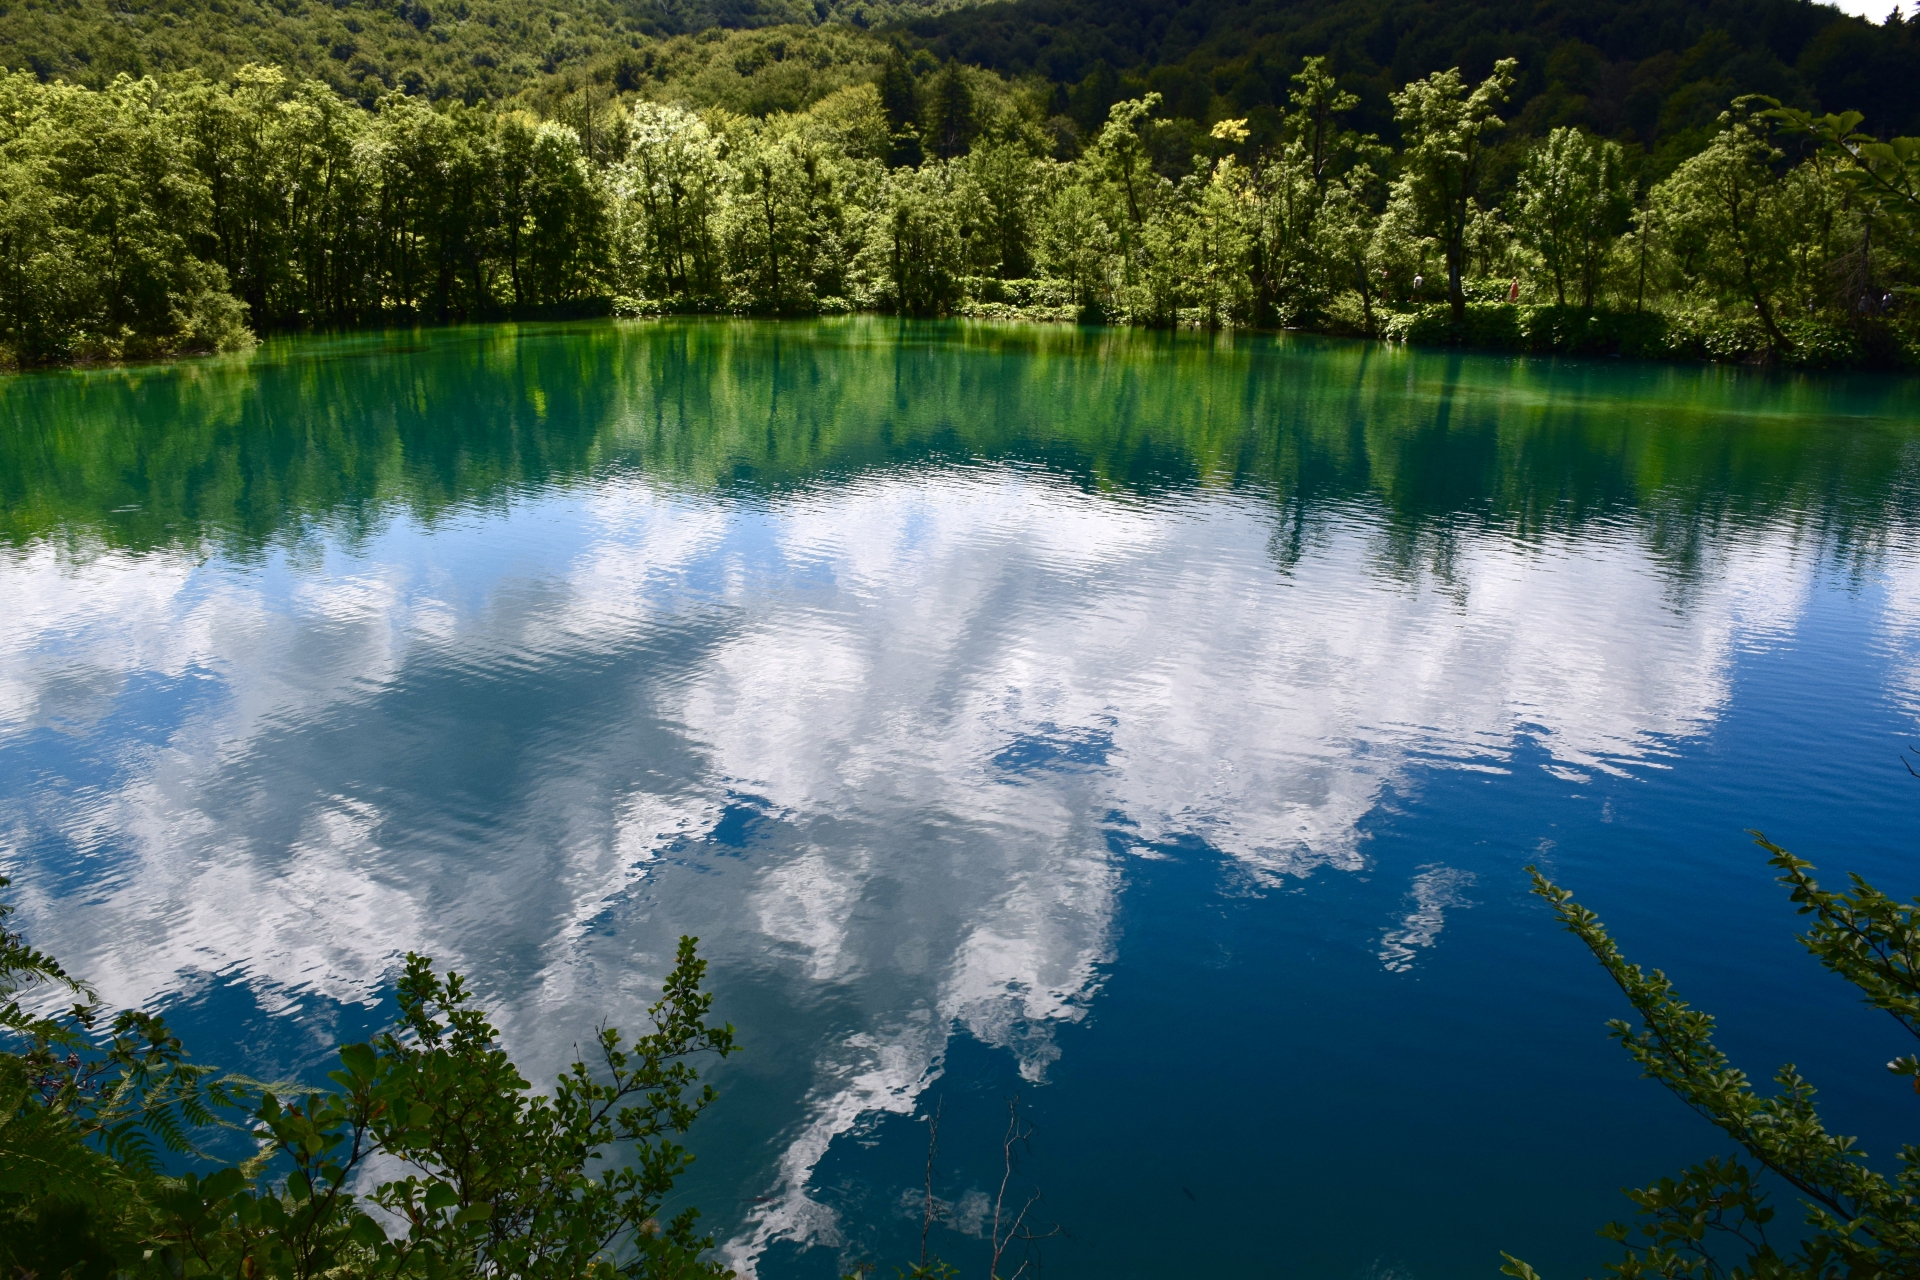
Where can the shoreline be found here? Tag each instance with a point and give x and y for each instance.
(1428, 328)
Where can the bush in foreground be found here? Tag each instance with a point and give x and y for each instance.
(480, 1175)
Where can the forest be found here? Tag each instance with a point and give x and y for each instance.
(1656, 73)
(1590, 181)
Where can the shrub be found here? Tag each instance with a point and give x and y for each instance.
(1493, 326)
(1710, 335)
(1018, 293)
(482, 1175)
(1816, 343)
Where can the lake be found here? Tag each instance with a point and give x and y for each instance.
(1150, 727)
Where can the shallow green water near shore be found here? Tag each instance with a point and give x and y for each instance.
(1151, 726)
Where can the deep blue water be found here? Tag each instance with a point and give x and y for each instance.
(1154, 729)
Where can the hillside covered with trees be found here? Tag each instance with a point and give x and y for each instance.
(1651, 71)
(472, 50)
(1562, 177)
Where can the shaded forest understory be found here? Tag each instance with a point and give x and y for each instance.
(176, 176)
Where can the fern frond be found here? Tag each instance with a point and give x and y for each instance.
(42, 1158)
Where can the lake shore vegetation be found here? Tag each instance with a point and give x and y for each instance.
(824, 169)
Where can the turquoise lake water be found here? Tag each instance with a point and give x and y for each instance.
(1151, 727)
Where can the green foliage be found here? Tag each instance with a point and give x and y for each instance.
(482, 1176)
(792, 172)
(22, 968)
(1816, 342)
(462, 50)
(755, 73)
(1544, 329)
(96, 200)
(667, 191)
(952, 122)
(327, 193)
(1573, 200)
(1713, 1220)
(900, 99)
(918, 247)
(1313, 195)
(1448, 130)
(1652, 72)
(779, 219)
(1005, 199)
(132, 213)
(1728, 222)
(1886, 172)
(1077, 244)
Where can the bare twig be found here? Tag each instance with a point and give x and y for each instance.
(933, 1145)
(1017, 1135)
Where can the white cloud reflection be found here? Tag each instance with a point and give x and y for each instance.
(1902, 638)
(1435, 890)
(505, 744)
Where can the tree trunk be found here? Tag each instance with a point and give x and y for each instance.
(1776, 340)
(1456, 291)
(773, 249)
(1366, 293)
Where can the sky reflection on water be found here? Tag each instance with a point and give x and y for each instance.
(892, 718)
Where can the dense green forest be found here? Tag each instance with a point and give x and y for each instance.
(473, 50)
(1651, 71)
(1596, 178)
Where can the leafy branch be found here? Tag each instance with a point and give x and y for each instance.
(1860, 1223)
(492, 1178)
(1887, 170)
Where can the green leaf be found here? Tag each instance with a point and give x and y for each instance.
(359, 1059)
(1515, 1267)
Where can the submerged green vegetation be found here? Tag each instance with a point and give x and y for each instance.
(819, 169)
